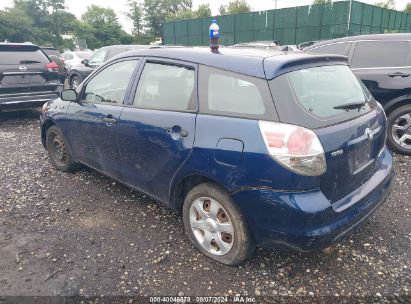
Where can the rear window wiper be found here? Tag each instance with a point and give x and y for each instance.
(351, 106)
(29, 61)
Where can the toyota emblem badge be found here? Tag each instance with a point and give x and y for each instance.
(369, 134)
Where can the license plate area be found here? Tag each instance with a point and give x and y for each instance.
(22, 79)
(360, 157)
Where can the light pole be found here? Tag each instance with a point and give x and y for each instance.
(349, 19)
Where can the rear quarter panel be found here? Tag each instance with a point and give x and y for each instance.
(252, 168)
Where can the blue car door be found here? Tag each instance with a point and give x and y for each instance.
(91, 123)
(157, 127)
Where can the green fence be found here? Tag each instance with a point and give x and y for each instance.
(291, 25)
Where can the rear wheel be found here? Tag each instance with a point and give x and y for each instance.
(399, 130)
(75, 82)
(58, 150)
(215, 225)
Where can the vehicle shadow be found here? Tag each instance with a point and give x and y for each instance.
(19, 114)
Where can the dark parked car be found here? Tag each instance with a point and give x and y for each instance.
(56, 57)
(27, 76)
(79, 72)
(258, 45)
(383, 63)
(255, 147)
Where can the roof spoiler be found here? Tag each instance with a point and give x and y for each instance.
(274, 67)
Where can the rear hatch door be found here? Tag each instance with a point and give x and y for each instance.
(350, 124)
(23, 69)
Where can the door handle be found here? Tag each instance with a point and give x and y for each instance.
(183, 133)
(399, 74)
(177, 130)
(109, 120)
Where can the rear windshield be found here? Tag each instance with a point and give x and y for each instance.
(320, 96)
(83, 55)
(12, 55)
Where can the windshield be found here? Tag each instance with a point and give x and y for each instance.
(321, 96)
(98, 57)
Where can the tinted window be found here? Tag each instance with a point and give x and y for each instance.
(166, 87)
(232, 94)
(21, 55)
(370, 54)
(308, 97)
(336, 48)
(109, 86)
(98, 57)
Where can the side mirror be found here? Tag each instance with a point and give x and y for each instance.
(68, 95)
(85, 62)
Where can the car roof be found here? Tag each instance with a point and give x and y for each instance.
(133, 46)
(48, 48)
(254, 62)
(394, 36)
(25, 44)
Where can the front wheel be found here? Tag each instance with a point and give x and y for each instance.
(215, 226)
(399, 130)
(58, 150)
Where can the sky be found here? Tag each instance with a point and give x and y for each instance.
(78, 7)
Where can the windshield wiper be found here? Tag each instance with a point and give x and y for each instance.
(351, 106)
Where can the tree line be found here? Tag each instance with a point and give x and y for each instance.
(43, 22)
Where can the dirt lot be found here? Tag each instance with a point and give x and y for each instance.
(100, 238)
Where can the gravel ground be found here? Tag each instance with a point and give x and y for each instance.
(100, 238)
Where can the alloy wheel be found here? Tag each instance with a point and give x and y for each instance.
(401, 131)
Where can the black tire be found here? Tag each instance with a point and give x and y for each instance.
(392, 118)
(58, 150)
(75, 82)
(243, 246)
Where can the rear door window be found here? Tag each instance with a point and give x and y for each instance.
(370, 54)
(335, 48)
(319, 96)
(166, 87)
(231, 94)
(14, 55)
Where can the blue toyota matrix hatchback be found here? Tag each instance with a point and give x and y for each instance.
(254, 147)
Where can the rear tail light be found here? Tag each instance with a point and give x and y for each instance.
(295, 148)
(52, 67)
(381, 110)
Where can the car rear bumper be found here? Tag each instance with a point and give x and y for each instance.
(27, 100)
(307, 220)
